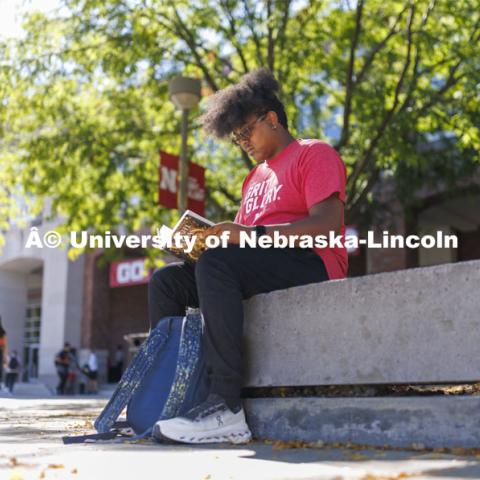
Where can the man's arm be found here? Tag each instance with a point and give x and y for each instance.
(324, 217)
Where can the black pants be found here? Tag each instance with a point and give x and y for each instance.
(10, 379)
(218, 283)
(62, 381)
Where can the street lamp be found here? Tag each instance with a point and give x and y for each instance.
(184, 92)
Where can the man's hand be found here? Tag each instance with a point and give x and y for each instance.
(233, 228)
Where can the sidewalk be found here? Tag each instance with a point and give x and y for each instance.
(36, 389)
(31, 428)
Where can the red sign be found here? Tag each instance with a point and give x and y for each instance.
(168, 174)
(129, 272)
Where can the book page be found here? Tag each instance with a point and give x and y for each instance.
(190, 224)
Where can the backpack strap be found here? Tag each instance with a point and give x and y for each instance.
(90, 438)
(113, 436)
(120, 433)
(188, 354)
(134, 438)
(132, 378)
(118, 425)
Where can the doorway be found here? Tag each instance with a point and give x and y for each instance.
(30, 359)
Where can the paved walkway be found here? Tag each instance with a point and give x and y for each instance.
(30, 448)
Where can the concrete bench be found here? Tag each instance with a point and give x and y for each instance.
(412, 326)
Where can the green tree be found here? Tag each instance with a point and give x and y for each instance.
(85, 110)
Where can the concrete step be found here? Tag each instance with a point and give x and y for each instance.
(424, 421)
(412, 326)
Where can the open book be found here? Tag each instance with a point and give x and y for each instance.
(184, 239)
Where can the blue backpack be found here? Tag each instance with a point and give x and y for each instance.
(165, 379)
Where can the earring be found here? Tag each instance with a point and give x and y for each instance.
(273, 126)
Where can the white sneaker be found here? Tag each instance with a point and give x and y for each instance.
(210, 422)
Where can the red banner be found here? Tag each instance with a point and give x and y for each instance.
(168, 174)
(129, 272)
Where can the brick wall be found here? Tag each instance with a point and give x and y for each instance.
(110, 313)
(96, 305)
(128, 314)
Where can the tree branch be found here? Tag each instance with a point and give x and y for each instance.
(67, 51)
(379, 46)
(251, 25)
(270, 39)
(362, 164)
(229, 195)
(289, 56)
(415, 75)
(452, 80)
(220, 210)
(190, 41)
(233, 34)
(355, 205)
(281, 35)
(349, 83)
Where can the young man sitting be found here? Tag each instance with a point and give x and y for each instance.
(296, 188)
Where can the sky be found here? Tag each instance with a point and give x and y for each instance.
(10, 12)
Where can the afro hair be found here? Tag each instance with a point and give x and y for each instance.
(255, 93)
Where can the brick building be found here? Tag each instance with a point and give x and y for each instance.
(452, 212)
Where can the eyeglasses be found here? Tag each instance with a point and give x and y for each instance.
(246, 132)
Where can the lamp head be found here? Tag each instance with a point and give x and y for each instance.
(184, 92)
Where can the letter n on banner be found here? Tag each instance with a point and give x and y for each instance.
(168, 175)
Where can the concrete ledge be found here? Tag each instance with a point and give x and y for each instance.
(433, 422)
(418, 325)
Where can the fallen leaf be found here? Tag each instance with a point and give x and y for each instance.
(417, 446)
(357, 456)
(401, 475)
(16, 475)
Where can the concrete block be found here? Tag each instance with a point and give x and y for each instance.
(432, 422)
(417, 325)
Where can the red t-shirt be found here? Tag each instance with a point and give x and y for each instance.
(282, 189)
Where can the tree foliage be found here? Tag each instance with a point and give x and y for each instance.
(85, 110)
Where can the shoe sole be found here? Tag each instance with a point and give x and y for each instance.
(237, 437)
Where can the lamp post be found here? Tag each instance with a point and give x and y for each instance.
(184, 92)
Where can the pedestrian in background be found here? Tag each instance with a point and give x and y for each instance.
(73, 373)
(12, 370)
(3, 350)
(62, 363)
(92, 385)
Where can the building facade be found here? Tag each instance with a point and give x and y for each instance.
(41, 302)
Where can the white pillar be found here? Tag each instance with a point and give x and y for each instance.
(54, 296)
